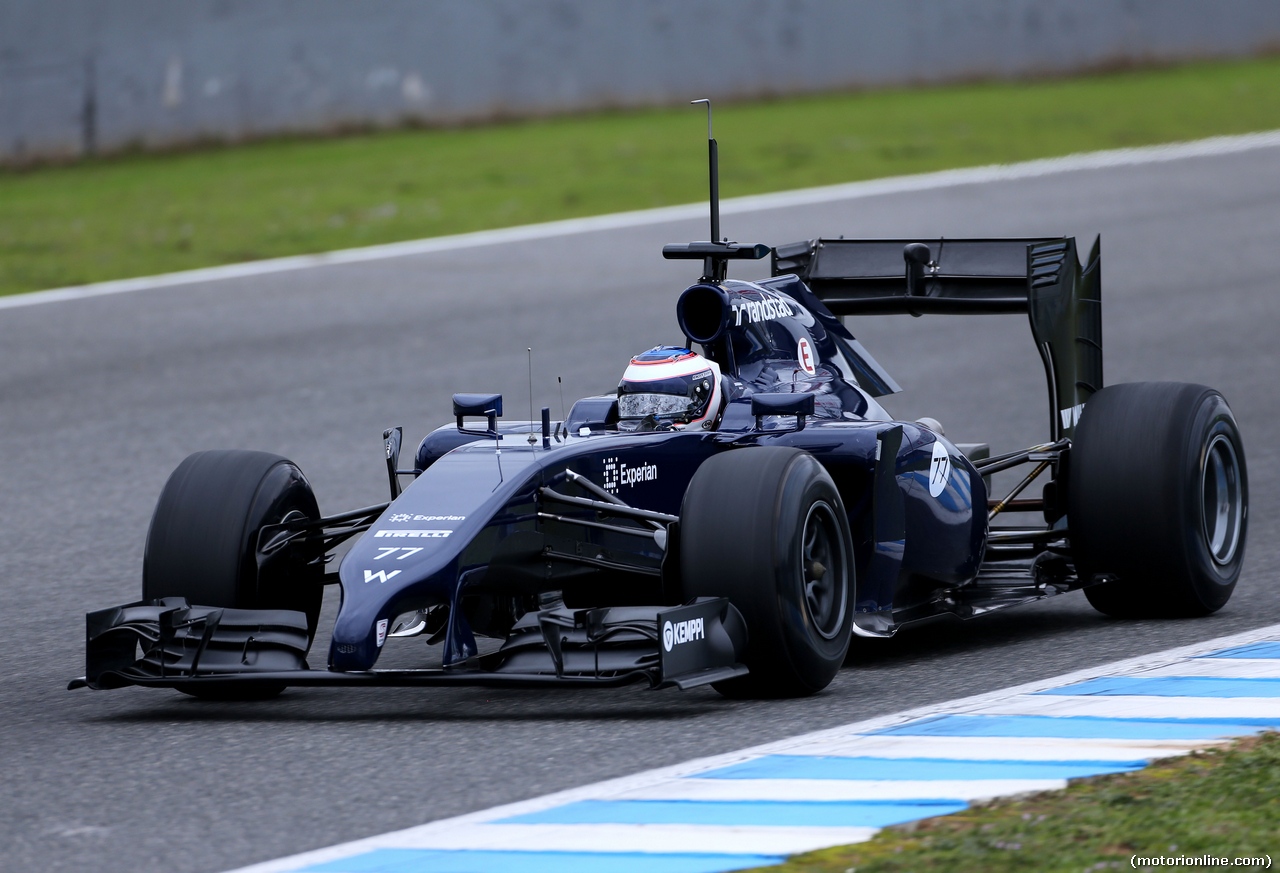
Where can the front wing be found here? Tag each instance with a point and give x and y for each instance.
(172, 644)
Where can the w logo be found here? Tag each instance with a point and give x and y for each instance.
(381, 575)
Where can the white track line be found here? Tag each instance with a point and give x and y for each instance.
(1214, 146)
(700, 839)
(1007, 748)
(838, 789)
(1125, 706)
(1220, 668)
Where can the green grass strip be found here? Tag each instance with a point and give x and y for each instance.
(1223, 803)
(144, 214)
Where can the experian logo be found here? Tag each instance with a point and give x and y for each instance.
(617, 473)
(682, 632)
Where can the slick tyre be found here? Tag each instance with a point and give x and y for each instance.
(766, 528)
(203, 540)
(1158, 500)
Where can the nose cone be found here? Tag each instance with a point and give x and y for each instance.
(410, 556)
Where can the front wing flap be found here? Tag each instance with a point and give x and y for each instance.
(140, 643)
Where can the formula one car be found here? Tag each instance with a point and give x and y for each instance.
(727, 516)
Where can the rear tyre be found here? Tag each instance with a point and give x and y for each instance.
(766, 528)
(1158, 500)
(203, 541)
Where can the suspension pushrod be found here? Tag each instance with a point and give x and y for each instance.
(1040, 468)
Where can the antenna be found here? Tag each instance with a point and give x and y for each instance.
(713, 158)
(560, 382)
(531, 438)
(716, 253)
(497, 449)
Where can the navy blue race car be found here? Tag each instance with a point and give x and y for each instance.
(732, 514)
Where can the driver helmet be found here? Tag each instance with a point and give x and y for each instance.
(670, 386)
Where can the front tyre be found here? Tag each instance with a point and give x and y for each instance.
(766, 528)
(1158, 500)
(202, 544)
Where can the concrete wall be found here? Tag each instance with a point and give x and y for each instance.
(82, 76)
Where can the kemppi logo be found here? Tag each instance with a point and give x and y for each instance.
(682, 632)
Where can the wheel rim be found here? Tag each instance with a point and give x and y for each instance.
(823, 569)
(1222, 500)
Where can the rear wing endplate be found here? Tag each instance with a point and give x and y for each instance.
(1041, 277)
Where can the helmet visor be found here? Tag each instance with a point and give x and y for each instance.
(676, 398)
(640, 405)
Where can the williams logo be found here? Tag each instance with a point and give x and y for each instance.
(681, 632)
(618, 473)
(381, 575)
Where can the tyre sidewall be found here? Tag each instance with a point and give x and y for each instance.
(282, 585)
(813, 657)
(1216, 581)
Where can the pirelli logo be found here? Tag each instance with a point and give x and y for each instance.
(412, 534)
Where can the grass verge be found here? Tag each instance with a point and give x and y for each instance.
(1223, 803)
(144, 214)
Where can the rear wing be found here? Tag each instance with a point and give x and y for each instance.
(1041, 277)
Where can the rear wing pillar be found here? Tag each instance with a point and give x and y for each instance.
(1064, 302)
(1041, 277)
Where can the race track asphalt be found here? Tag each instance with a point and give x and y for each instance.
(100, 398)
